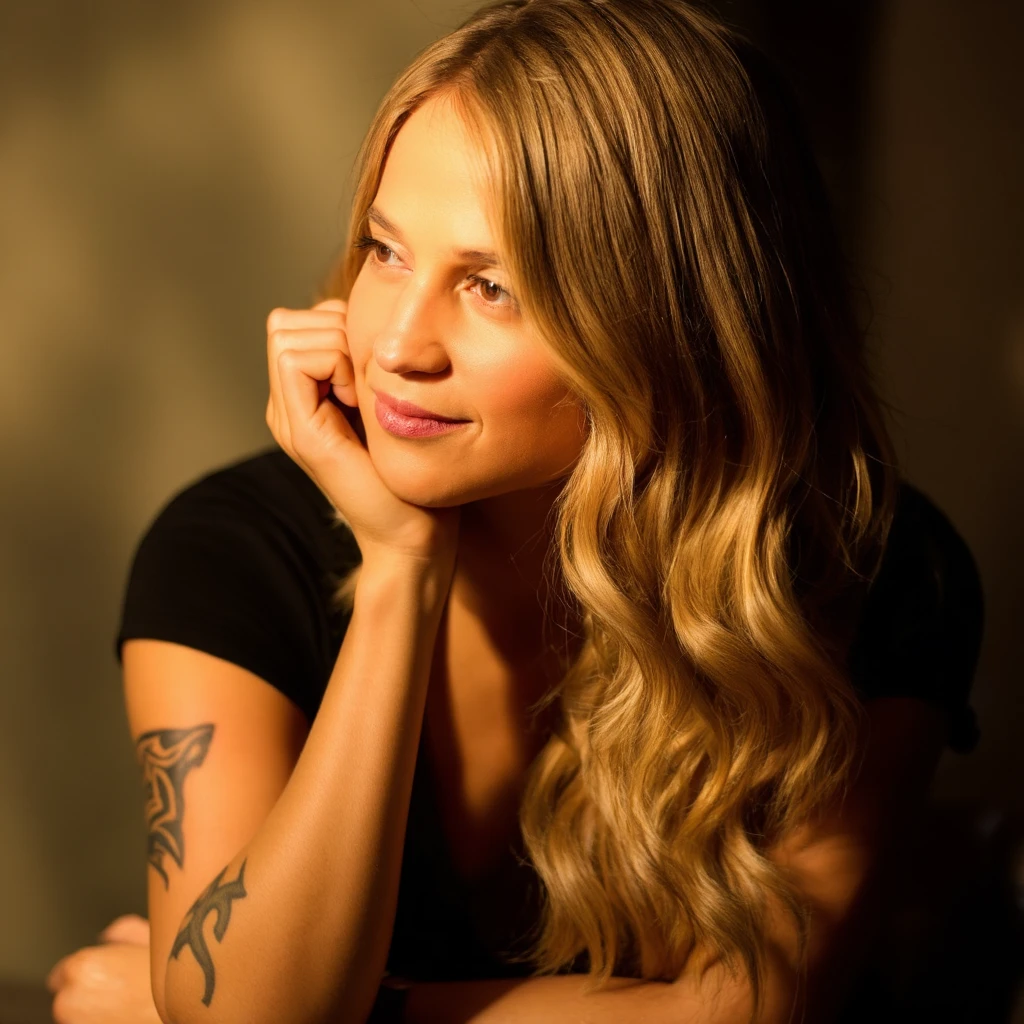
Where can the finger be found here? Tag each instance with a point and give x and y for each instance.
(295, 338)
(323, 315)
(333, 303)
(129, 919)
(316, 428)
(55, 978)
(306, 377)
(337, 381)
(129, 928)
(302, 328)
(309, 337)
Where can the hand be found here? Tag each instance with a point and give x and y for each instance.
(314, 416)
(106, 984)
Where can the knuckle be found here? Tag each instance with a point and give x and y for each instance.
(87, 960)
(61, 1007)
(68, 1005)
(288, 359)
(275, 318)
(95, 971)
(70, 968)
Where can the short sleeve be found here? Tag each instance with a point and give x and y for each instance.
(921, 625)
(224, 568)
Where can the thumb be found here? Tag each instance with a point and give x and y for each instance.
(332, 303)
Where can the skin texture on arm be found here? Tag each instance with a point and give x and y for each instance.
(840, 864)
(311, 898)
(215, 746)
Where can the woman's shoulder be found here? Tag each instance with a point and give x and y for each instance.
(921, 624)
(241, 563)
(265, 495)
(265, 484)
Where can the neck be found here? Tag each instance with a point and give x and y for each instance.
(499, 573)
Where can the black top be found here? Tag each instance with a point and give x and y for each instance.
(243, 564)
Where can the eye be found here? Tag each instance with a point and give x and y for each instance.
(366, 242)
(492, 294)
(487, 295)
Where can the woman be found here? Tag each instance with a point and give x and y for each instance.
(642, 654)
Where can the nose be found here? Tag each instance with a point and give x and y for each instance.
(411, 340)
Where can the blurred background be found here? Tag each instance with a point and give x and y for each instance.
(169, 175)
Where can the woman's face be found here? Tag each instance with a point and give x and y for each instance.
(432, 321)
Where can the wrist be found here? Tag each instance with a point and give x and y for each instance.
(385, 580)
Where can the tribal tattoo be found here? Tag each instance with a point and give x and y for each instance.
(166, 757)
(215, 897)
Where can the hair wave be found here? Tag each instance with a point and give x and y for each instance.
(664, 222)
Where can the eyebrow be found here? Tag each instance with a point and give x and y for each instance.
(480, 256)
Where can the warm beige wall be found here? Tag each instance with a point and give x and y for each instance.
(167, 178)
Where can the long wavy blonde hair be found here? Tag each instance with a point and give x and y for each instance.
(663, 221)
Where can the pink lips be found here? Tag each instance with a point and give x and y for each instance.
(408, 409)
(404, 419)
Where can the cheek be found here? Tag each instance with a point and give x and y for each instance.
(519, 390)
(533, 411)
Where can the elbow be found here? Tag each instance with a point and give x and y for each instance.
(171, 1002)
(161, 1008)
(184, 988)
(161, 1012)
(157, 984)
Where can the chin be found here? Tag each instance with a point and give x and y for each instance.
(427, 487)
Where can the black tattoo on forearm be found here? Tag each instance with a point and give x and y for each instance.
(215, 897)
(166, 756)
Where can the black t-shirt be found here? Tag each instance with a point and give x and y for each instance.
(244, 562)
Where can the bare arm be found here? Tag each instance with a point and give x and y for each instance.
(838, 864)
(296, 927)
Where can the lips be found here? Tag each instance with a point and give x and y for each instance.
(416, 411)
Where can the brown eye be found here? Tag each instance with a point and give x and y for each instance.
(492, 293)
(375, 247)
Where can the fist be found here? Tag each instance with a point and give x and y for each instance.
(109, 983)
(314, 415)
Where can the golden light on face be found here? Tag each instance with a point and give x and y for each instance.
(432, 320)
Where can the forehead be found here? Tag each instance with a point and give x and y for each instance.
(435, 180)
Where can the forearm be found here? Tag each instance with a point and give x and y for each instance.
(547, 1000)
(303, 914)
(713, 995)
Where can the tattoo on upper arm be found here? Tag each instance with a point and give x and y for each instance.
(215, 897)
(166, 756)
